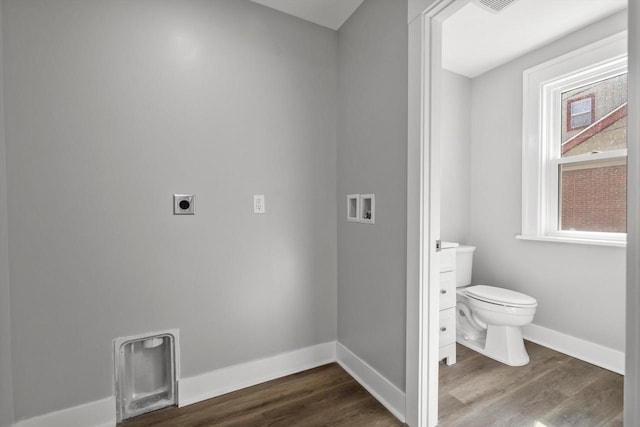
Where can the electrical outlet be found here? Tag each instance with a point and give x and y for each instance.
(184, 204)
(258, 204)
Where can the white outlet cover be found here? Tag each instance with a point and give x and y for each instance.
(259, 204)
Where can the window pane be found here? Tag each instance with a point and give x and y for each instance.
(593, 197)
(594, 117)
(578, 120)
(581, 106)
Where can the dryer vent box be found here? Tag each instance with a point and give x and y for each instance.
(145, 373)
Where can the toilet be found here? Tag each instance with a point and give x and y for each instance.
(489, 319)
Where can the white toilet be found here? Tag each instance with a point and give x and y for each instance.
(489, 319)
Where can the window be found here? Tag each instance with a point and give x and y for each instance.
(575, 146)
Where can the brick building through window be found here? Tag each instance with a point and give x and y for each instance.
(593, 195)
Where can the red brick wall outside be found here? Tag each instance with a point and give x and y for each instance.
(595, 199)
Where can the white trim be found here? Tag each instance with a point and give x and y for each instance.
(588, 351)
(225, 380)
(587, 161)
(100, 413)
(574, 240)
(431, 197)
(390, 396)
(415, 401)
(632, 368)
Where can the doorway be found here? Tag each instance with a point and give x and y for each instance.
(428, 187)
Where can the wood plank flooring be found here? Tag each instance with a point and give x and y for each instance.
(324, 396)
(553, 390)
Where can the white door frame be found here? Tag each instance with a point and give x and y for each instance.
(632, 368)
(423, 214)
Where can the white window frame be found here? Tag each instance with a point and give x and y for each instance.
(542, 91)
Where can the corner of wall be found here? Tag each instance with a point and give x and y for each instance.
(6, 373)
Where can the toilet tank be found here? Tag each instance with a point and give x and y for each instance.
(464, 264)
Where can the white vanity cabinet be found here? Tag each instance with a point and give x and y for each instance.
(447, 324)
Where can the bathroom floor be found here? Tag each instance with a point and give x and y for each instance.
(552, 390)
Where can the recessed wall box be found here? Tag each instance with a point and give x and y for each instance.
(353, 207)
(184, 204)
(146, 373)
(368, 208)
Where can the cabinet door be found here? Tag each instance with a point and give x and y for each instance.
(447, 290)
(447, 327)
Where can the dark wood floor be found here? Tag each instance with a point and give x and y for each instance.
(553, 390)
(325, 396)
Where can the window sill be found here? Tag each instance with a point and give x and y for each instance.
(574, 240)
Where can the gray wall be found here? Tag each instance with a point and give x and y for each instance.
(580, 289)
(6, 389)
(372, 144)
(455, 157)
(113, 106)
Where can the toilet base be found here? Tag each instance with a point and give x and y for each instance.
(502, 343)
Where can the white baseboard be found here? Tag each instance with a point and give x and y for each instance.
(225, 380)
(590, 352)
(381, 388)
(100, 413)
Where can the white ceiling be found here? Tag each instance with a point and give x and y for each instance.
(328, 13)
(476, 40)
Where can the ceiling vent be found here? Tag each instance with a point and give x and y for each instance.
(495, 6)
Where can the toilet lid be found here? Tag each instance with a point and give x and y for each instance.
(500, 296)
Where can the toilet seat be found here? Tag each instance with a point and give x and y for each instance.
(500, 296)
